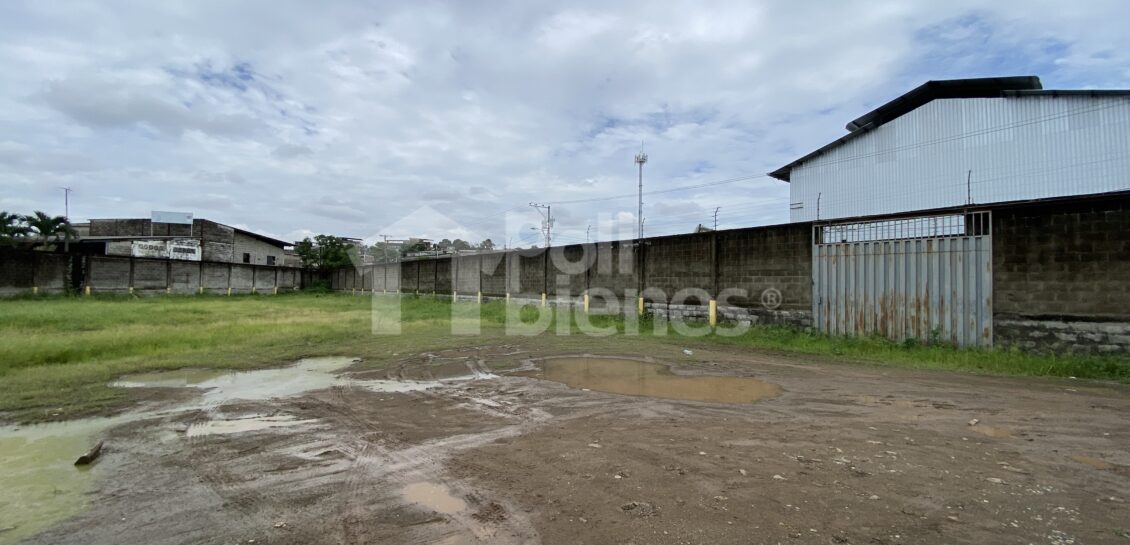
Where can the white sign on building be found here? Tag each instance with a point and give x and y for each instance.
(183, 218)
(186, 249)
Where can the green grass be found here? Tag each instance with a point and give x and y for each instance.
(57, 354)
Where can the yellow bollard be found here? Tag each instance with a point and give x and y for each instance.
(454, 296)
(508, 298)
(713, 313)
(131, 290)
(201, 291)
(168, 290)
(276, 290)
(35, 290)
(229, 292)
(543, 299)
(586, 302)
(641, 306)
(88, 291)
(479, 297)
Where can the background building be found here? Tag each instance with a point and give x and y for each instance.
(970, 141)
(202, 240)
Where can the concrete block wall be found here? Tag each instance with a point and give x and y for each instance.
(530, 273)
(777, 257)
(52, 273)
(264, 279)
(493, 266)
(615, 270)
(569, 269)
(214, 277)
(150, 275)
(184, 277)
(1061, 276)
(108, 274)
(242, 278)
(20, 272)
(467, 272)
(686, 262)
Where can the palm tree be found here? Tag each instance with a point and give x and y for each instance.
(48, 227)
(11, 226)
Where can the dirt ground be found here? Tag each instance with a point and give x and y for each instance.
(844, 454)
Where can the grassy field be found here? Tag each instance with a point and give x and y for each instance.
(57, 354)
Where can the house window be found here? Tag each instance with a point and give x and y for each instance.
(270, 260)
(247, 258)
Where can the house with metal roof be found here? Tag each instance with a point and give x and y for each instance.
(954, 143)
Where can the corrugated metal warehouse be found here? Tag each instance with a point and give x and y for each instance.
(973, 141)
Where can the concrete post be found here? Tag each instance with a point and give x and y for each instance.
(543, 299)
(586, 302)
(713, 313)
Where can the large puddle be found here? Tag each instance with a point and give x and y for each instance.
(40, 485)
(640, 378)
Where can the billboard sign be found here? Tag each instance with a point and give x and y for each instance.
(183, 218)
(182, 249)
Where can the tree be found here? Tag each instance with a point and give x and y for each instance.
(415, 245)
(460, 245)
(486, 245)
(11, 227)
(47, 228)
(324, 253)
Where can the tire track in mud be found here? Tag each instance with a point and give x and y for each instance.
(377, 465)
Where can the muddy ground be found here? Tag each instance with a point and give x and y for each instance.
(844, 454)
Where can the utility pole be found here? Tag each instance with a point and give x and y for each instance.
(587, 229)
(716, 208)
(641, 158)
(66, 202)
(547, 222)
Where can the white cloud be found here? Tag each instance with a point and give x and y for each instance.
(291, 117)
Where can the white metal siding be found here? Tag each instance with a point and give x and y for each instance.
(1017, 148)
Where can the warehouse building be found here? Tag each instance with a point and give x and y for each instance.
(963, 142)
(195, 240)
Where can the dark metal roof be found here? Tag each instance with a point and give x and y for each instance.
(263, 238)
(916, 98)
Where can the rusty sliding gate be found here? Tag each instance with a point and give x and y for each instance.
(927, 278)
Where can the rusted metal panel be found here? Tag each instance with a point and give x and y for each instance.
(929, 288)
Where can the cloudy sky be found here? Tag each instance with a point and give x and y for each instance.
(445, 119)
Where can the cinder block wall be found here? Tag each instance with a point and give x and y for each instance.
(777, 257)
(1061, 276)
(678, 263)
(530, 273)
(494, 274)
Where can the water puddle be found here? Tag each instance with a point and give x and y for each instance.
(639, 378)
(245, 424)
(433, 496)
(39, 483)
(40, 486)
